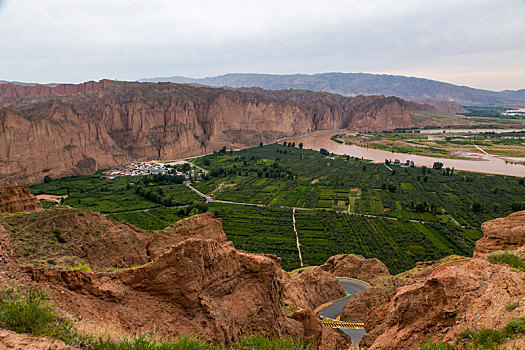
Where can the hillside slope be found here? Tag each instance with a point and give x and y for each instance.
(191, 280)
(440, 299)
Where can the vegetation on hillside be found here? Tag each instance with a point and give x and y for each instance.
(483, 339)
(29, 310)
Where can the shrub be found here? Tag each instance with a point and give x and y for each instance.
(512, 305)
(28, 310)
(507, 258)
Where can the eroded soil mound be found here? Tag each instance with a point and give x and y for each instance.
(503, 233)
(195, 281)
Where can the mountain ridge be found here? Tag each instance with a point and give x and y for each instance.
(350, 84)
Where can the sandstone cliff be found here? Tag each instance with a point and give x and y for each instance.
(356, 266)
(503, 233)
(17, 198)
(196, 281)
(78, 129)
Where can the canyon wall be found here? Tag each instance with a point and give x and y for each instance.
(69, 130)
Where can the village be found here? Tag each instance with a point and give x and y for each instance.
(149, 168)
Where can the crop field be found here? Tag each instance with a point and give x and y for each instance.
(508, 143)
(287, 176)
(113, 196)
(401, 216)
(150, 219)
(260, 230)
(399, 244)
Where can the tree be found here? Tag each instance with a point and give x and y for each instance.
(261, 144)
(301, 145)
(324, 152)
(420, 208)
(47, 179)
(437, 166)
(477, 207)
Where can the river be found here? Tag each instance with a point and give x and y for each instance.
(482, 163)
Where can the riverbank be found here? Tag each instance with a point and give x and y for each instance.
(484, 163)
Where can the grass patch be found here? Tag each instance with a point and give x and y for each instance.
(511, 305)
(28, 310)
(506, 258)
(483, 339)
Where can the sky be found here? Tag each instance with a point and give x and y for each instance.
(478, 43)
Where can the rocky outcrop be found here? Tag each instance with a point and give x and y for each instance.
(355, 266)
(316, 334)
(196, 281)
(357, 308)
(469, 296)
(502, 234)
(311, 288)
(16, 199)
(198, 286)
(78, 129)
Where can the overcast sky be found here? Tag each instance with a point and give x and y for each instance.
(480, 43)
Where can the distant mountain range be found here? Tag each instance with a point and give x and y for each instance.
(352, 84)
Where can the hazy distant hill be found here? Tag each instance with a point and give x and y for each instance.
(361, 84)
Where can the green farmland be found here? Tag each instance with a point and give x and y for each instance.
(343, 204)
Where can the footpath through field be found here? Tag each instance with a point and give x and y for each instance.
(211, 199)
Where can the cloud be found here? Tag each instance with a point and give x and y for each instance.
(64, 40)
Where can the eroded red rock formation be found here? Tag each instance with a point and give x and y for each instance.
(196, 281)
(16, 199)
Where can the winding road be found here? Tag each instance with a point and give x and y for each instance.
(333, 310)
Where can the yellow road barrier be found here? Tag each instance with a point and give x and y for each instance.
(333, 324)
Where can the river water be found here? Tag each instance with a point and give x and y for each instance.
(481, 163)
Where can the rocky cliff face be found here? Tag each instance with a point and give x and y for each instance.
(77, 129)
(356, 266)
(17, 198)
(196, 281)
(503, 233)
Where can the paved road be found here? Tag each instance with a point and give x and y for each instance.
(334, 310)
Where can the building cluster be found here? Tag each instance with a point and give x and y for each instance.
(138, 168)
